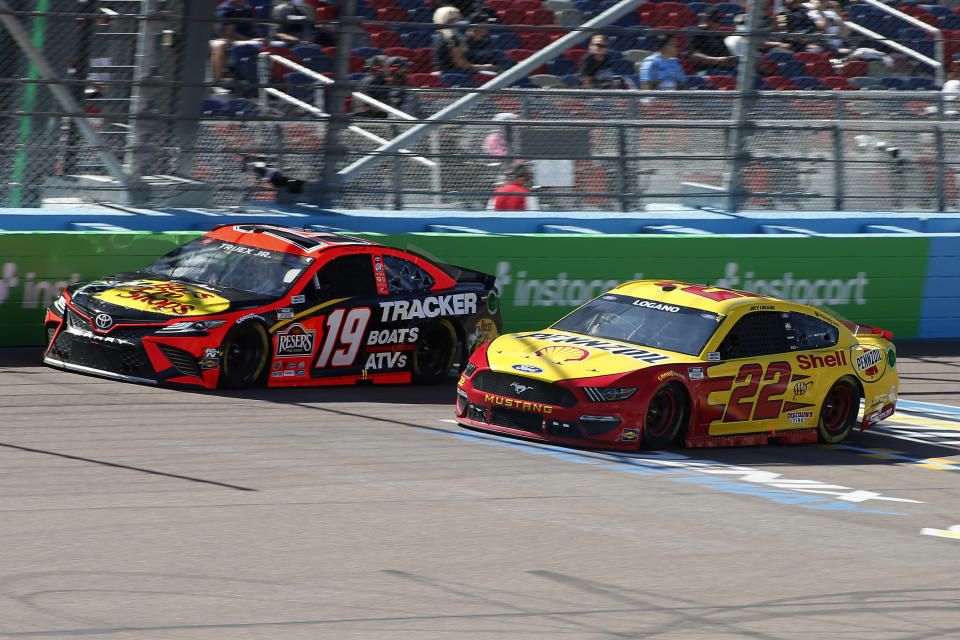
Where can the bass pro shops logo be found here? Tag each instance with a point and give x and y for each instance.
(296, 341)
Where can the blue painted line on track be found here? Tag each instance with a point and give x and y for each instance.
(929, 407)
(635, 466)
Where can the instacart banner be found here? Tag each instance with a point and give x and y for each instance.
(873, 280)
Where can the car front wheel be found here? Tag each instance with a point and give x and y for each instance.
(664, 418)
(245, 352)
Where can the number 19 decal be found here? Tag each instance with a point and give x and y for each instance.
(344, 331)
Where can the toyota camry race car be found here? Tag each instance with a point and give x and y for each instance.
(249, 303)
(651, 363)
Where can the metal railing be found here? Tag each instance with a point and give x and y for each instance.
(139, 125)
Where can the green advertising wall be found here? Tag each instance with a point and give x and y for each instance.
(873, 280)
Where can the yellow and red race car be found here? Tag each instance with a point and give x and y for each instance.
(654, 362)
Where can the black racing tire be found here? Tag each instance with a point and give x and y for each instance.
(666, 416)
(245, 356)
(838, 414)
(434, 352)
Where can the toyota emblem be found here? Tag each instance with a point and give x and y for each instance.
(103, 321)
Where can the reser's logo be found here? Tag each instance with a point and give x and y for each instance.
(295, 342)
(103, 321)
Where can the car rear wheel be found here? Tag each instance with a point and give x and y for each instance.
(839, 412)
(245, 352)
(433, 354)
(664, 418)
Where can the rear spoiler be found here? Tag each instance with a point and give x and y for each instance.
(461, 274)
(862, 330)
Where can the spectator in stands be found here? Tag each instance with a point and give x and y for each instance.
(449, 46)
(386, 81)
(708, 49)
(478, 47)
(793, 19)
(596, 66)
(515, 195)
(826, 15)
(232, 29)
(662, 70)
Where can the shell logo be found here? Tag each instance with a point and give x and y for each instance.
(562, 353)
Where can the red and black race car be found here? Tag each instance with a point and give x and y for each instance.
(249, 303)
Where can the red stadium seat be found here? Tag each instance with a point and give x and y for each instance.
(403, 52)
(498, 5)
(780, 83)
(385, 39)
(518, 54)
(811, 56)
(854, 68)
(820, 69)
(425, 80)
(393, 14)
(326, 12)
(670, 7)
(838, 83)
(527, 5)
(575, 55)
(681, 19)
(723, 83)
(512, 16)
(380, 4)
(539, 16)
(278, 70)
(422, 60)
(530, 40)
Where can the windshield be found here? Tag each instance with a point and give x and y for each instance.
(237, 266)
(647, 323)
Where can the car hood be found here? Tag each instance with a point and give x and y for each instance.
(557, 355)
(147, 297)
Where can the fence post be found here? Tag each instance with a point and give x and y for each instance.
(334, 152)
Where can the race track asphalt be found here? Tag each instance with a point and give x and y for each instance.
(134, 513)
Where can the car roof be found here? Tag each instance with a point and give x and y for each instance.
(716, 299)
(296, 240)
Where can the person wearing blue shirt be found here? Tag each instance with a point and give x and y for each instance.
(662, 70)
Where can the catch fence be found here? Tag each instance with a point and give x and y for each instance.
(114, 103)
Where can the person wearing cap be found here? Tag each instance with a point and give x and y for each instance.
(707, 49)
(478, 47)
(662, 70)
(386, 81)
(449, 45)
(515, 195)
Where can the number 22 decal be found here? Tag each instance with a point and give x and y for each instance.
(346, 331)
(766, 407)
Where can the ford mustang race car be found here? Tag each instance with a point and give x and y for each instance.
(249, 303)
(651, 363)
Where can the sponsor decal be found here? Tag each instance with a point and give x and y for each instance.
(393, 336)
(483, 331)
(461, 381)
(520, 388)
(695, 373)
(277, 365)
(816, 292)
(878, 416)
(713, 356)
(276, 374)
(211, 352)
(298, 299)
(493, 302)
(521, 405)
(284, 314)
(801, 388)
(168, 298)
(659, 306)
(295, 341)
(209, 363)
(764, 307)
(630, 435)
(799, 417)
(457, 304)
(301, 373)
(808, 361)
(668, 374)
(560, 353)
(610, 347)
(289, 373)
(526, 368)
(891, 357)
(386, 360)
(867, 362)
(102, 321)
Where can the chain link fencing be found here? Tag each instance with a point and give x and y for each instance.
(112, 101)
